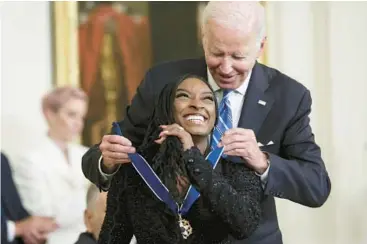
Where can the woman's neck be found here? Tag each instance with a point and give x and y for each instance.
(62, 144)
(201, 142)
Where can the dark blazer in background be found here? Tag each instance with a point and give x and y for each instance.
(4, 228)
(11, 205)
(297, 171)
(86, 238)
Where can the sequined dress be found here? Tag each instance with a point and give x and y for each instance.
(229, 205)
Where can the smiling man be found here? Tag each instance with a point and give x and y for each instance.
(263, 115)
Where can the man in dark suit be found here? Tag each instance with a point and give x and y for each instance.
(270, 113)
(17, 226)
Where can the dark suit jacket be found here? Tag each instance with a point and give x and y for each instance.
(11, 205)
(86, 238)
(297, 171)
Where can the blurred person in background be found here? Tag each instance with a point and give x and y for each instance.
(48, 175)
(94, 216)
(17, 225)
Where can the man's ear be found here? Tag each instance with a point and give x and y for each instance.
(263, 42)
(262, 47)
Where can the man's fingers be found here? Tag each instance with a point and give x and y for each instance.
(117, 161)
(236, 152)
(30, 239)
(234, 145)
(34, 237)
(124, 161)
(121, 149)
(48, 219)
(227, 139)
(115, 156)
(117, 140)
(109, 149)
(240, 131)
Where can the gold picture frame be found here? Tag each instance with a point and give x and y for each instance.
(65, 41)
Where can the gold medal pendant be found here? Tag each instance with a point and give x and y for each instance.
(185, 227)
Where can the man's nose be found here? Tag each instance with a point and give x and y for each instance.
(226, 66)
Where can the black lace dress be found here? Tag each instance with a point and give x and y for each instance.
(229, 204)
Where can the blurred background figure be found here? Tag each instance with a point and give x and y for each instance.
(48, 174)
(94, 216)
(17, 225)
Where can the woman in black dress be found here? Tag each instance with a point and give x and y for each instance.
(175, 146)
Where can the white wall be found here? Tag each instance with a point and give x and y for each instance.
(25, 72)
(323, 45)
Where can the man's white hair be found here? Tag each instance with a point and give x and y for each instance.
(240, 16)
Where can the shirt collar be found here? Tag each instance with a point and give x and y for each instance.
(241, 89)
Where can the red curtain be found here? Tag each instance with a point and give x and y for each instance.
(134, 42)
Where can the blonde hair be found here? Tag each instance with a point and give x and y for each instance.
(56, 98)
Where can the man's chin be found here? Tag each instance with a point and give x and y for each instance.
(227, 85)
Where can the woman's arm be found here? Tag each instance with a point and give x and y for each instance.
(235, 199)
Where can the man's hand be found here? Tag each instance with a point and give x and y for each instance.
(176, 130)
(242, 143)
(115, 151)
(34, 229)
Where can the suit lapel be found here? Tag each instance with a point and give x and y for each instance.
(257, 102)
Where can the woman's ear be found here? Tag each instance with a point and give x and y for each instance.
(49, 115)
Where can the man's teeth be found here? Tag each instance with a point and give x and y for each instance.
(194, 118)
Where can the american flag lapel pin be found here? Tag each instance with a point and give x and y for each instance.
(261, 102)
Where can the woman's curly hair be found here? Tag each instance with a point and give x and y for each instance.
(166, 159)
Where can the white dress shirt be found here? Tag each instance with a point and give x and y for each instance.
(236, 97)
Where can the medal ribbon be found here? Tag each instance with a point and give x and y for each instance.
(155, 184)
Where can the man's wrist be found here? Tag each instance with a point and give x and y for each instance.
(106, 169)
(264, 165)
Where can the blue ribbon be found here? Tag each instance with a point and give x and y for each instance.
(156, 185)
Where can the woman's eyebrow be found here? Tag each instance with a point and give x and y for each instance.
(184, 90)
(181, 89)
